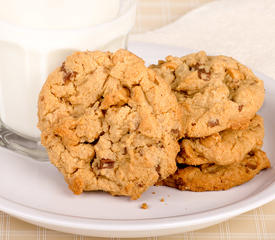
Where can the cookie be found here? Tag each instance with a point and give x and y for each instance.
(109, 123)
(215, 92)
(212, 177)
(223, 148)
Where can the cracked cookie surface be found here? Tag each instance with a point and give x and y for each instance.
(215, 92)
(223, 148)
(109, 123)
(212, 177)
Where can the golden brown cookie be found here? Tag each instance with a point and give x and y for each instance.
(223, 148)
(212, 177)
(109, 123)
(215, 92)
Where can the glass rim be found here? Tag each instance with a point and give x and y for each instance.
(131, 5)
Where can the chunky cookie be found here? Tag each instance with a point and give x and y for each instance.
(223, 148)
(212, 177)
(215, 92)
(109, 123)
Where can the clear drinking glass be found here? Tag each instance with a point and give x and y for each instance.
(35, 38)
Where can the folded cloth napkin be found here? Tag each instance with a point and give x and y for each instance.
(243, 29)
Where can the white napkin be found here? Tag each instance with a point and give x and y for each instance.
(243, 29)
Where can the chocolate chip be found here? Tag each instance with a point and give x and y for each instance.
(140, 152)
(213, 123)
(106, 163)
(240, 108)
(251, 154)
(194, 67)
(201, 71)
(175, 132)
(207, 75)
(67, 75)
(193, 124)
(124, 152)
(251, 166)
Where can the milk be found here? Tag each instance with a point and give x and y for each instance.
(58, 14)
(35, 38)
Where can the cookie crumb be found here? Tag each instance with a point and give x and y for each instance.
(144, 206)
(106, 163)
(162, 199)
(153, 192)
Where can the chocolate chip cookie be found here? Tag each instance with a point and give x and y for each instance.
(109, 123)
(223, 148)
(212, 177)
(215, 92)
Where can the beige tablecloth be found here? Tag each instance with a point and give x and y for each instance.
(256, 224)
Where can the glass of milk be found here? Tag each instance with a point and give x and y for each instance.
(35, 38)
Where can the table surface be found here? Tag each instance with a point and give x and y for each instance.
(255, 224)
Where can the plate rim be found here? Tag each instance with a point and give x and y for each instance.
(45, 218)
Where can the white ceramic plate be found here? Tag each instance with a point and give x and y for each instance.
(35, 191)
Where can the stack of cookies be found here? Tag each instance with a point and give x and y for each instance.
(110, 123)
(223, 135)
